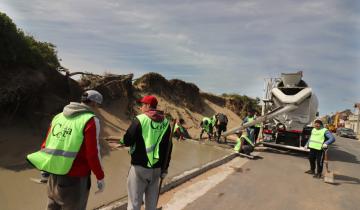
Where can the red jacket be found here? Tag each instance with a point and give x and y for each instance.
(88, 157)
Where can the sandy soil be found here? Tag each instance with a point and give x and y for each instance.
(17, 141)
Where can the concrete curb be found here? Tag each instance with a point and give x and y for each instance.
(121, 204)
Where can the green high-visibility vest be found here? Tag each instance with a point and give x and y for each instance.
(250, 119)
(177, 126)
(238, 142)
(152, 133)
(62, 144)
(206, 127)
(317, 138)
(213, 120)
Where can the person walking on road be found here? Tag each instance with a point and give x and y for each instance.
(70, 152)
(148, 139)
(319, 141)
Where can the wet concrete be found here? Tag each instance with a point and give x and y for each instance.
(18, 192)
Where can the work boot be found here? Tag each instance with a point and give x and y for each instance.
(317, 176)
(310, 172)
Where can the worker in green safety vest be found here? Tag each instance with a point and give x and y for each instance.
(206, 125)
(243, 143)
(148, 139)
(319, 141)
(250, 130)
(180, 132)
(70, 152)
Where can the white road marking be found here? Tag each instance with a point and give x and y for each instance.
(189, 194)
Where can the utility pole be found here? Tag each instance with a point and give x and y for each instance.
(357, 105)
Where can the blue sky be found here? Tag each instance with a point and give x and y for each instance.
(222, 46)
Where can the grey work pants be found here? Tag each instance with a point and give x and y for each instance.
(68, 193)
(143, 180)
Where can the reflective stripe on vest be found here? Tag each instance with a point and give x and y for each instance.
(152, 133)
(317, 138)
(239, 143)
(62, 144)
(59, 152)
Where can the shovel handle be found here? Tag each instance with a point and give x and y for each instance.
(326, 160)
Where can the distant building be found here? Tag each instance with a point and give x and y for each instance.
(353, 120)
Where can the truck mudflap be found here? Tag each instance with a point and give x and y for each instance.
(303, 149)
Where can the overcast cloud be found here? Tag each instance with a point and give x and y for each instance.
(223, 46)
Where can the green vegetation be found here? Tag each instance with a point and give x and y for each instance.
(246, 103)
(18, 49)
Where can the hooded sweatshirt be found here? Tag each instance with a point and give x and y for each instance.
(88, 158)
(133, 137)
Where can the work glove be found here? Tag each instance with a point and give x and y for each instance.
(324, 146)
(100, 186)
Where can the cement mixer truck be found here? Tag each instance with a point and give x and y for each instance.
(288, 108)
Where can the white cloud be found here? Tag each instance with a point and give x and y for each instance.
(222, 46)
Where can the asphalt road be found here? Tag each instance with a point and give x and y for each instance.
(276, 180)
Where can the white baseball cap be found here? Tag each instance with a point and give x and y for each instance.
(92, 95)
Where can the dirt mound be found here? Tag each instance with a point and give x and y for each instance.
(236, 103)
(177, 91)
(111, 86)
(32, 91)
(37, 95)
(241, 104)
(236, 106)
(218, 100)
(34, 94)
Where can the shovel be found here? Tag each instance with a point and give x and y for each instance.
(328, 175)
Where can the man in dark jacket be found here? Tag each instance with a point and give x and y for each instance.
(148, 139)
(221, 122)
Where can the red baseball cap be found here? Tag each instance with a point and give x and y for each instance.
(149, 99)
